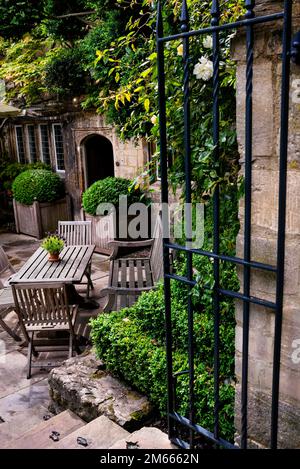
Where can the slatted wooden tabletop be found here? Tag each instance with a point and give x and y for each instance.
(73, 263)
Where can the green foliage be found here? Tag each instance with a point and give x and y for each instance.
(37, 185)
(53, 244)
(23, 65)
(9, 171)
(18, 17)
(128, 348)
(64, 73)
(109, 190)
(137, 334)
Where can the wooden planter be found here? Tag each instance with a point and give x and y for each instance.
(103, 231)
(39, 218)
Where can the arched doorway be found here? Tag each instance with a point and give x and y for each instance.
(99, 158)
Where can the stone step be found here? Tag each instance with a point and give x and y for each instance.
(101, 433)
(39, 436)
(145, 438)
(19, 423)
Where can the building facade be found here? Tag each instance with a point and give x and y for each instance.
(77, 144)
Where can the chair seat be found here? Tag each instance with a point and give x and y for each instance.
(6, 297)
(132, 273)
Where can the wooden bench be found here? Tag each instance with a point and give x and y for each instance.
(129, 277)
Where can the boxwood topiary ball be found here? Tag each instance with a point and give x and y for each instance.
(37, 185)
(109, 190)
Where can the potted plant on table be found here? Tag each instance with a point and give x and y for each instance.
(53, 244)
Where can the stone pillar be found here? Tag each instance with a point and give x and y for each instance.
(266, 130)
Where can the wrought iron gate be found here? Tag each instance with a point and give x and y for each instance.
(248, 24)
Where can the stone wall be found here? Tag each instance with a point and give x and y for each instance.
(129, 157)
(266, 132)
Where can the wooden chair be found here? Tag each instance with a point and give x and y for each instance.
(44, 307)
(129, 277)
(6, 297)
(78, 233)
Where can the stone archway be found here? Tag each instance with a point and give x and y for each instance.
(98, 158)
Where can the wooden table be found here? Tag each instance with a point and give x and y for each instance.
(70, 269)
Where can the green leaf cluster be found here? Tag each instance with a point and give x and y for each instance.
(53, 244)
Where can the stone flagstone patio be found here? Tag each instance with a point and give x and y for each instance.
(24, 403)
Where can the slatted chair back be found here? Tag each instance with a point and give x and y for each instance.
(5, 265)
(156, 255)
(75, 233)
(45, 304)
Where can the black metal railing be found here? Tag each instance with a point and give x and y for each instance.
(248, 25)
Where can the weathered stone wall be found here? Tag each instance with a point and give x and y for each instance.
(266, 133)
(129, 156)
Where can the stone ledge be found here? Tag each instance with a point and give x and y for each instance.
(83, 386)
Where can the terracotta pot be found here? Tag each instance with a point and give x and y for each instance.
(53, 257)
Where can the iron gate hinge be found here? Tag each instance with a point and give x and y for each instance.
(295, 50)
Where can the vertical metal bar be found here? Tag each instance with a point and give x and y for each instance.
(215, 12)
(188, 208)
(164, 198)
(247, 222)
(284, 132)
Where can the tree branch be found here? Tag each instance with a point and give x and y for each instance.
(81, 13)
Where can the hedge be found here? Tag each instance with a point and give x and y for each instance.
(131, 342)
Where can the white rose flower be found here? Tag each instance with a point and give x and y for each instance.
(208, 42)
(204, 69)
(154, 119)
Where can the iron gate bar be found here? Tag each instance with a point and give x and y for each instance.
(215, 13)
(165, 199)
(222, 257)
(223, 27)
(188, 199)
(284, 131)
(231, 294)
(202, 431)
(249, 22)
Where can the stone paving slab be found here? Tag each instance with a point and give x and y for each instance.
(13, 373)
(23, 403)
(23, 409)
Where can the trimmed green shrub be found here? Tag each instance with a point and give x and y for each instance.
(109, 190)
(37, 185)
(136, 357)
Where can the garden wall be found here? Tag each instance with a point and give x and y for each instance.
(266, 128)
